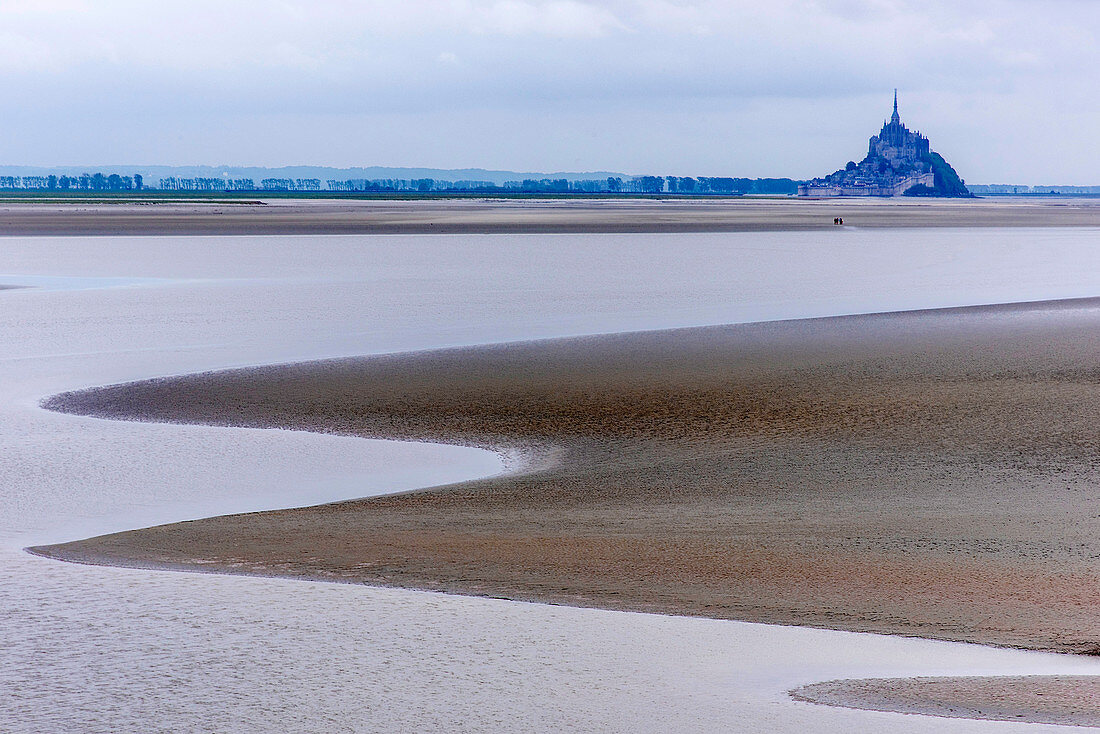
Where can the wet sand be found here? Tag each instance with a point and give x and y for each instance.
(468, 216)
(928, 473)
(1066, 700)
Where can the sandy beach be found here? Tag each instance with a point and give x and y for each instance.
(518, 216)
(925, 473)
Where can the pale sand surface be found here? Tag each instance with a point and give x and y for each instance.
(296, 216)
(1040, 699)
(926, 473)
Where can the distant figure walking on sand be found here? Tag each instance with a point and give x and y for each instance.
(838, 220)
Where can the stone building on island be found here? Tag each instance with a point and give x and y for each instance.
(899, 162)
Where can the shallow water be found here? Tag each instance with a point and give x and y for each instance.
(95, 649)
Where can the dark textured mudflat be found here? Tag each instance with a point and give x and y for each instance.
(930, 473)
(470, 216)
(1072, 700)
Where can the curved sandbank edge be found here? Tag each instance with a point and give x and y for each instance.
(1065, 700)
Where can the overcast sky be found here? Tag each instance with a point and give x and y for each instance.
(1007, 90)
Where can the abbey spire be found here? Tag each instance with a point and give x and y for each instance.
(894, 118)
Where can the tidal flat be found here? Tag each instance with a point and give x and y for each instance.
(924, 473)
(103, 648)
(432, 215)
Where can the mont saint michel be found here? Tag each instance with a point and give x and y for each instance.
(899, 162)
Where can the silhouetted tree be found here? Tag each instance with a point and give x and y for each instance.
(650, 184)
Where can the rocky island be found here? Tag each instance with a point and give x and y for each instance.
(899, 162)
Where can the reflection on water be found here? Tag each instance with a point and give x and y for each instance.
(88, 649)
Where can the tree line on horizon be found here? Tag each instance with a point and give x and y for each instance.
(83, 182)
(616, 185)
(700, 185)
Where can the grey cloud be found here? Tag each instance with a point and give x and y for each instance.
(205, 68)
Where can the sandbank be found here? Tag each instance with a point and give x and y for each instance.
(1038, 699)
(928, 473)
(517, 216)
